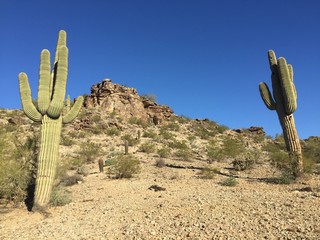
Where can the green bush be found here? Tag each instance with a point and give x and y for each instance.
(147, 148)
(150, 97)
(171, 126)
(230, 148)
(229, 182)
(66, 141)
(17, 167)
(246, 160)
(113, 131)
(138, 121)
(208, 173)
(150, 134)
(60, 197)
(184, 154)
(166, 134)
(131, 140)
(125, 166)
(175, 144)
(89, 152)
(164, 152)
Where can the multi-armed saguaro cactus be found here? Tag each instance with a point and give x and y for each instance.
(48, 111)
(284, 101)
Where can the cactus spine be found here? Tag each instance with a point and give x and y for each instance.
(50, 103)
(284, 101)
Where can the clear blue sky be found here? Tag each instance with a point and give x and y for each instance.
(203, 58)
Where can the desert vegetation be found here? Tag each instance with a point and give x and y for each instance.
(45, 166)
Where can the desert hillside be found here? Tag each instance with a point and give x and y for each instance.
(164, 176)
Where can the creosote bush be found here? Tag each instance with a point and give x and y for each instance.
(89, 152)
(17, 166)
(150, 134)
(208, 173)
(160, 163)
(131, 140)
(60, 197)
(229, 182)
(147, 147)
(113, 131)
(125, 166)
(164, 152)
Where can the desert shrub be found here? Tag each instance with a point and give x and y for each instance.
(246, 160)
(138, 121)
(71, 180)
(180, 119)
(164, 152)
(147, 147)
(285, 178)
(184, 154)
(201, 132)
(66, 141)
(208, 173)
(83, 170)
(229, 182)
(113, 131)
(125, 166)
(230, 148)
(60, 197)
(175, 144)
(97, 129)
(89, 152)
(150, 134)
(160, 163)
(17, 166)
(150, 97)
(131, 140)
(171, 127)
(96, 118)
(207, 129)
(13, 180)
(166, 134)
(311, 149)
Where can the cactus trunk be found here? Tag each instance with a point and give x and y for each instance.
(48, 160)
(292, 142)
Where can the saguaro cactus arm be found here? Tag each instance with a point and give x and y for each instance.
(73, 112)
(266, 96)
(288, 89)
(26, 99)
(44, 82)
(59, 84)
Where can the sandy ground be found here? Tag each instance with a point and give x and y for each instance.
(188, 207)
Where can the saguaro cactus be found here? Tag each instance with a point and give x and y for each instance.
(48, 111)
(284, 101)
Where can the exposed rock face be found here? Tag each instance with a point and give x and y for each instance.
(125, 102)
(253, 129)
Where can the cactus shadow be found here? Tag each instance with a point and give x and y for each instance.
(29, 201)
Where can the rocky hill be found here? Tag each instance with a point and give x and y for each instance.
(124, 101)
(195, 179)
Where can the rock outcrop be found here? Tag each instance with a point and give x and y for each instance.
(125, 102)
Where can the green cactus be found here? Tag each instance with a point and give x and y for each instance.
(284, 101)
(50, 104)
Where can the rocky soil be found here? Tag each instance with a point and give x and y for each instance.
(173, 203)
